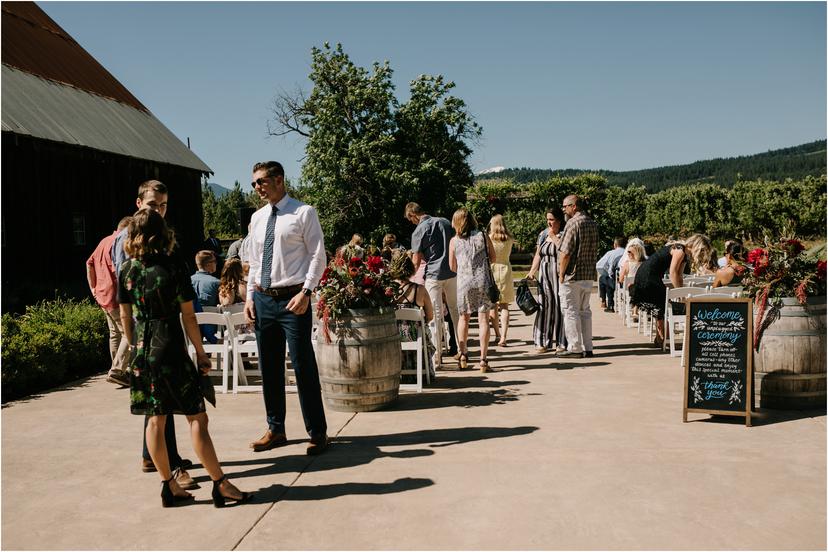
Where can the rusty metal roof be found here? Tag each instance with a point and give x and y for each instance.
(42, 108)
(53, 89)
(34, 43)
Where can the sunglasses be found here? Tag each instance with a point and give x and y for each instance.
(260, 181)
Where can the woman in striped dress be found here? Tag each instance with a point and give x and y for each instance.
(548, 331)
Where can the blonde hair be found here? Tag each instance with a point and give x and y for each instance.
(637, 251)
(463, 222)
(356, 239)
(148, 234)
(498, 230)
(699, 251)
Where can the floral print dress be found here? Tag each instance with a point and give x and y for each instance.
(472, 273)
(164, 379)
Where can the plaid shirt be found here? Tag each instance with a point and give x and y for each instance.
(580, 242)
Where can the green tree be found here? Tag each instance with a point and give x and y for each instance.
(367, 155)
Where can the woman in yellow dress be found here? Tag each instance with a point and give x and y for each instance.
(502, 271)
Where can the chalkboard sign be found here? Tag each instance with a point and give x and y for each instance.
(718, 358)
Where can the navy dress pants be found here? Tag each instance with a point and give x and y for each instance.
(606, 288)
(277, 327)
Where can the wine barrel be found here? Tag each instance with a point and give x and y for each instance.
(789, 367)
(360, 369)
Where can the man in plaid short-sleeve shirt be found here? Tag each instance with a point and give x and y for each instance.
(576, 269)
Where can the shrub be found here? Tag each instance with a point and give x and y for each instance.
(525, 225)
(51, 343)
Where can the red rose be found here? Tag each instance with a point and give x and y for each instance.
(324, 279)
(375, 264)
(367, 281)
(754, 256)
(355, 261)
(353, 271)
(821, 265)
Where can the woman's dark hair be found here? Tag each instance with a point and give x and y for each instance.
(736, 251)
(148, 233)
(558, 213)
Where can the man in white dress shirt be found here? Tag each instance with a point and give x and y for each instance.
(287, 259)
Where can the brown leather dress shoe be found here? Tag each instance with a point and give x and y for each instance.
(184, 480)
(268, 441)
(317, 445)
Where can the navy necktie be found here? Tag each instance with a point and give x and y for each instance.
(267, 254)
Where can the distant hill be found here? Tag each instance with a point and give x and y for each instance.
(218, 191)
(795, 162)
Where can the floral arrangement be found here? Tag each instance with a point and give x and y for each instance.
(780, 269)
(353, 284)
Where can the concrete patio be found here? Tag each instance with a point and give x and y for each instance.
(542, 454)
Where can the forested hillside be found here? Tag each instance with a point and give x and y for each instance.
(796, 162)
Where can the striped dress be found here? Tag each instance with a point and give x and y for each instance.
(548, 331)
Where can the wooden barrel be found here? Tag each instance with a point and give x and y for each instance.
(360, 369)
(789, 367)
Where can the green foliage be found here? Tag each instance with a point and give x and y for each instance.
(368, 154)
(51, 343)
(796, 162)
(748, 210)
(525, 225)
(221, 213)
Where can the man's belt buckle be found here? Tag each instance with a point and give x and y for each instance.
(281, 292)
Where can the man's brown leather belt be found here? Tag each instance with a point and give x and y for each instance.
(281, 293)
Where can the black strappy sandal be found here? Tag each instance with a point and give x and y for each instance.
(168, 498)
(219, 499)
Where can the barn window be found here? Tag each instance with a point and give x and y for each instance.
(78, 229)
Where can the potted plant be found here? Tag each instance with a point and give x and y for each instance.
(358, 345)
(788, 289)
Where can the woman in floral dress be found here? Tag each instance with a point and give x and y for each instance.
(155, 287)
(470, 251)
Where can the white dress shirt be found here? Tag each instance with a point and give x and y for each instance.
(298, 246)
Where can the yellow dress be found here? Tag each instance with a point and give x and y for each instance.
(502, 270)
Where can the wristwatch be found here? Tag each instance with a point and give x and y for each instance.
(306, 292)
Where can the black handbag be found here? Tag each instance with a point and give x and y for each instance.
(525, 300)
(492, 291)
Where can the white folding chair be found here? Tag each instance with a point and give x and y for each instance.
(211, 309)
(735, 290)
(234, 308)
(672, 322)
(222, 349)
(419, 345)
(243, 342)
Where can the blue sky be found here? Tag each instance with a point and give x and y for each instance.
(617, 85)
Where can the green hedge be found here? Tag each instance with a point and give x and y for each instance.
(51, 343)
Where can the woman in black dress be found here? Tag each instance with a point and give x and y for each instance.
(649, 292)
(548, 330)
(164, 381)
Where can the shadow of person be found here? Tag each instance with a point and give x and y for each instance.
(324, 492)
(352, 451)
(466, 382)
(464, 399)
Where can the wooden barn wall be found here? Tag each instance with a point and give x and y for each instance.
(45, 184)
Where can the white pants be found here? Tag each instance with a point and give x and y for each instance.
(117, 341)
(435, 289)
(577, 316)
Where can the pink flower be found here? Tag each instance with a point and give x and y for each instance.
(801, 292)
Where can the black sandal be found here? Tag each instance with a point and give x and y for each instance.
(168, 498)
(219, 499)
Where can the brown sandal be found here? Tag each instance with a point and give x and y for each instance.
(463, 361)
(484, 366)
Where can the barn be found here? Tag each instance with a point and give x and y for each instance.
(76, 145)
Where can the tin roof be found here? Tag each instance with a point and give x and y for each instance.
(38, 107)
(55, 90)
(33, 43)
